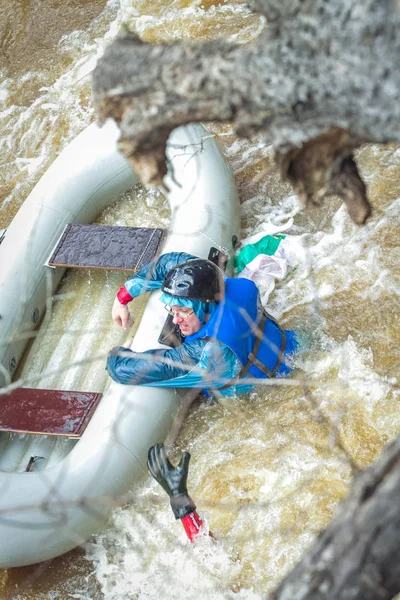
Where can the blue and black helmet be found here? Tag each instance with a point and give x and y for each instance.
(195, 279)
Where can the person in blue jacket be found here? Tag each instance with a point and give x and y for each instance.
(228, 338)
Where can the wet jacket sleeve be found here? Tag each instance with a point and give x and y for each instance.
(200, 364)
(157, 367)
(152, 275)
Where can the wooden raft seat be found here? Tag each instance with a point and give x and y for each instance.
(106, 247)
(47, 412)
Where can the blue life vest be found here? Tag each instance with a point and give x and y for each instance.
(254, 336)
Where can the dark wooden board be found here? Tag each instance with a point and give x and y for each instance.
(47, 412)
(106, 247)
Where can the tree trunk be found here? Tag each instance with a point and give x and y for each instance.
(358, 556)
(321, 80)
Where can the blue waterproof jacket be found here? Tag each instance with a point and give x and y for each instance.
(212, 357)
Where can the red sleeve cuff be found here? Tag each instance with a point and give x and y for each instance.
(124, 296)
(192, 525)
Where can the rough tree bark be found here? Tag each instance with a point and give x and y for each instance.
(357, 557)
(321, 80)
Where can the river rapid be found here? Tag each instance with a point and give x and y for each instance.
(268, 469)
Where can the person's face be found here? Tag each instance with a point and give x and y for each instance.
(186, 319)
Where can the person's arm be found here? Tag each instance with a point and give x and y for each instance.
(174, 481)
(155, 367)
(199, 364)
(149, 278)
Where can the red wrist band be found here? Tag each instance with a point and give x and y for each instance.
(124, 296)
(192, 525)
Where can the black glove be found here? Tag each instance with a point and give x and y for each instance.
(172, 479)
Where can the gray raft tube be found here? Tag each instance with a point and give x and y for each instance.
(46, 513)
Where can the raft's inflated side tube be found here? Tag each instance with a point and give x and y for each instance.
(46, 513)
(76, 188)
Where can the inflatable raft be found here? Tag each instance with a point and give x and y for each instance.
(47, 512)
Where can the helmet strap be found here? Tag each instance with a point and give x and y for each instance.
(206, 313)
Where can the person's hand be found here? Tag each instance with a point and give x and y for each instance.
(121, 315)
(172, 479)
